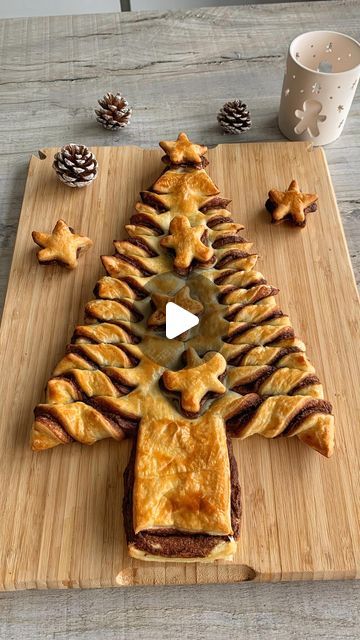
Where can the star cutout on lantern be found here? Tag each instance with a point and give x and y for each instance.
(183, 150)
(62, 246)
(199, 378)
(291, 203)
(340, 108)
(316, 88)
(181, 298)
(187, 244)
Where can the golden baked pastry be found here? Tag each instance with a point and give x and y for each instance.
(187, 243)
(197, 380)
(292, 204)
(182, 298)
(62, 246)
(242, 371)
(183, 150)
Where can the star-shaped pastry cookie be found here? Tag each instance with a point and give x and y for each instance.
(199, 378)
(291, 204)
(62, 246)
(181, 298)
(184, 191)
(183, 150)
(187, 244)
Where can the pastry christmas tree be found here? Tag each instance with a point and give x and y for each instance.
(241, 371)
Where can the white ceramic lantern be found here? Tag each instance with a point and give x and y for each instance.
(322, 73)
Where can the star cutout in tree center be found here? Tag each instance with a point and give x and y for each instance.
(187, 244)
(199, 378)
(182, 298)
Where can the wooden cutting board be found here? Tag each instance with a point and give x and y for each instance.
(61, 522)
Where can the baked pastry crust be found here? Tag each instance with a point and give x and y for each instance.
(245, 370)
(62, 246)
(187, 242)
(224, 550)
(182, 477)
(292, 204)
(197, 380)
(183, 150)
(182, 298)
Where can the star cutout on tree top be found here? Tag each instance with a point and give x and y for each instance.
(181, 298)
(183, 150)
(185, 191)
(62, 246)
(199, 378)
(187, 244)
(291, 204)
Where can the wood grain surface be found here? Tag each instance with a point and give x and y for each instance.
(246, 611)
(63, 524)
(177, 69)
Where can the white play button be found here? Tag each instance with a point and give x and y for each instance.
(178, 320)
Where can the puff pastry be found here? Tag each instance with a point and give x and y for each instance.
(243, 372)
(62, 246)
(291, 205)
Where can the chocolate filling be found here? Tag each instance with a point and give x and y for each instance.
(261, 294)
(246, 326)
(235, 361)
(53, 425)
(254, 384)
(284, 334)
(152, 199)
(194, 165)
(144, 220)
(310, 379)
(135, 263)
(80, 333)
(214, 221)
(168, 542)
(126, 425)
(118, 383)
(215, 203)
(138, 242)
(240, 419)
(236, 254)
(222, 277)
(79, 350)
(313, 406)
(285, 351)
(140, 292)
(221, 242)
(271, 206)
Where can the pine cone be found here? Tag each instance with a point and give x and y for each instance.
(234, 117)
(75, 165)
(115, 112)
